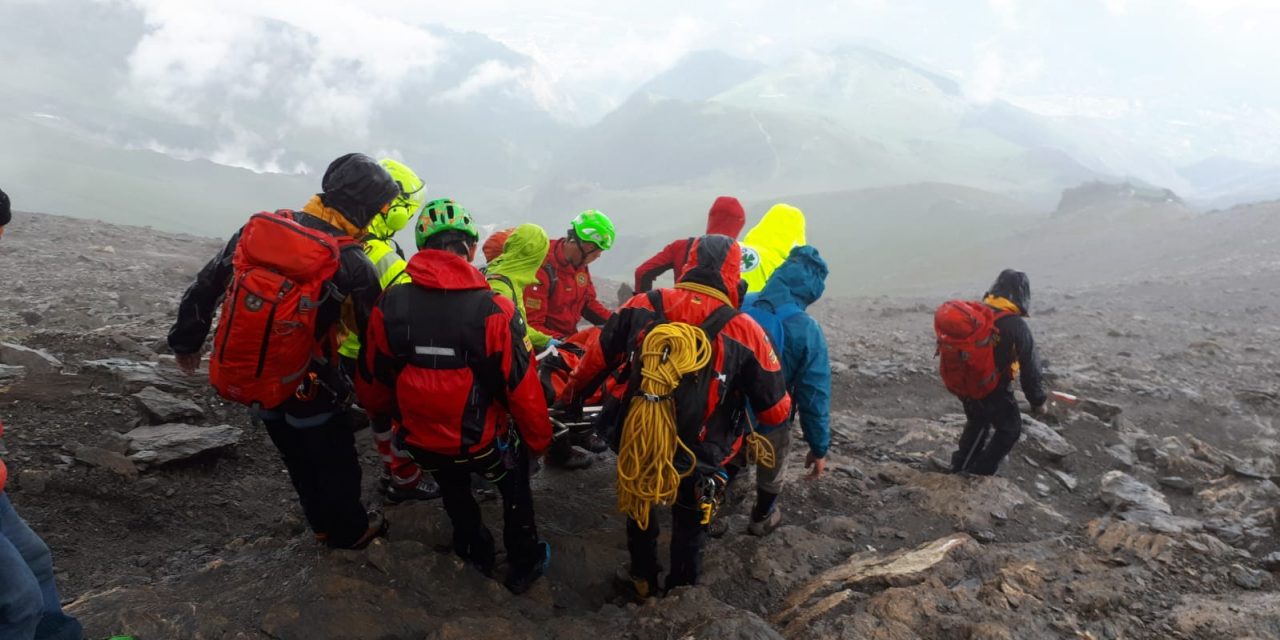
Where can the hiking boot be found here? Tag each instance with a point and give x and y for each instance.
(572, 458)
(767, 524)
(718, 527)
(633, 588)
(594, 443)
(378, 527)
(521, 580)
(426, 489)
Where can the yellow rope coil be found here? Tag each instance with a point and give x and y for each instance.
(760, 450)
(647, 474)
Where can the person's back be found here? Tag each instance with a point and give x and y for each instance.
(725, 218)
(1014, 351)
(311, 427)
(742, 369)
(448, 358)
(798, 339)
(768, 244)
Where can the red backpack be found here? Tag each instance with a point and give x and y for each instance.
(967, 338)
(266, 336)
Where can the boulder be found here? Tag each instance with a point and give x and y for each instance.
(1044, 439)
(1123, 492)
(1102, 410)
(35, 360)
(10, 372)
(130, 376)
(110, 460)
(161, 408)
(161, 444)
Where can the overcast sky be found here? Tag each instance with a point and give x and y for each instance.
(1057, 56)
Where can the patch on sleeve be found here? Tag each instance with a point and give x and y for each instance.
(533, 303)
(528, 344)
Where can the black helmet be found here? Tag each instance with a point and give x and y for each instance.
(358, 187)
(1014, 286)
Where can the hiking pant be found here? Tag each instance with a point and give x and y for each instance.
(688, 536)
(767, 480)
(510, 473)
(397, 466)
(325, 471)
(29, 602)
(994, 425)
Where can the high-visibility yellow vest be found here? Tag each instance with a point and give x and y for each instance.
(391, 270)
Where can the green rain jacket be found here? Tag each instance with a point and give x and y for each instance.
(516, 268)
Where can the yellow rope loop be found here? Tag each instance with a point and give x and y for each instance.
(760, 450)
(647, 474)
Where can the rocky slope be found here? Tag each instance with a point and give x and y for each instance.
(1145, 511)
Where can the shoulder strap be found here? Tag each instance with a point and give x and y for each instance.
(715, 323)
(688, 250)
(551, 276)
(655, 301)
(504, 280)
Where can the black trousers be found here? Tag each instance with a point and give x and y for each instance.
(688, 536)
(325, 471)
(994, 425)
(510, 473)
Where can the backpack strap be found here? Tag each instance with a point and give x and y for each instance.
(688, 250)
(504, 280)
(655, 301)
(716, 322)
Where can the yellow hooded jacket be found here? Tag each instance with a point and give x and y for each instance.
(768, 244)
(516, 268)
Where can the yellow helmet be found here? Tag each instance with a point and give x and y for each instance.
(412, 195)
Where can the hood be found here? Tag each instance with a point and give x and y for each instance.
(358, 187)
(715, 261)
(492, 247)
(315, 208)
(726, 217)
(1015, 287)
(522, 255)
(436, 269)
(781, 228)
(801, 279)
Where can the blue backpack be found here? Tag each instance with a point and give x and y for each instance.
(773, 322)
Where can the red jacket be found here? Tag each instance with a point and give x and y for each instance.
(747, 369)
(726, 218)
(563, 295)
(444, 354)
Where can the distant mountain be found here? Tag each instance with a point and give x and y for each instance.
(1222, 182)
(822, 121)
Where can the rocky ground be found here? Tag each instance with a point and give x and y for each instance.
(1148, 510)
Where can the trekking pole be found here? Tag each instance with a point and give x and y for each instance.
(977, 442)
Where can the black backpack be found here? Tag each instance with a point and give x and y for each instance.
(691, 394)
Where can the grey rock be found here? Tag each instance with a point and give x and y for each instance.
(1121, 454)
(33, 481)
(1126, 493)
(1162, 522)
(1069, 481)
(129, 376)
(11, 372)
(1102, 410)
(35, 360)
(1177, 483)
(1044, 439)
(1247, 578)
(1271, 562)
(839, 367)
(160, 407)
(161, 444)
(110, 460)
(32, 318)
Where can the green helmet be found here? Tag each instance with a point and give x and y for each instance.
(412, 194)
(594, 227)
(443, 215)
